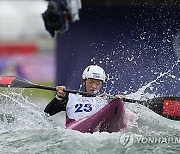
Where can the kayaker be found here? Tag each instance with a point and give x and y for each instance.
(78, 106)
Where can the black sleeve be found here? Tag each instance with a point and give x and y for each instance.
(56, 106)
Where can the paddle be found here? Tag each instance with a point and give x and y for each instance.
(16, 82)
(168, 107)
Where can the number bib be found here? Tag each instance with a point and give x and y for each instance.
(79, 107)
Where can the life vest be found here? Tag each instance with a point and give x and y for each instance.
(79, 106)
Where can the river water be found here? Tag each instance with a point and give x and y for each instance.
(25, 129)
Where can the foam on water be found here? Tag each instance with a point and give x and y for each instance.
(18, 113)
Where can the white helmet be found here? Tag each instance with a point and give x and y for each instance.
(95, 72)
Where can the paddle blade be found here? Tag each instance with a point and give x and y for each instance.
(6, 81)
(168, 107)
(12, 81)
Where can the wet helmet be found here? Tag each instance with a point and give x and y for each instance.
(95, 72)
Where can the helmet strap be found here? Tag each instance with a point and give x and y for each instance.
(84, 84)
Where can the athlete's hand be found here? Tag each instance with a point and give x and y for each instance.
(119, 96)
(60, 91)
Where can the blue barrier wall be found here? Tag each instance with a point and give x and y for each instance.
(137, 46)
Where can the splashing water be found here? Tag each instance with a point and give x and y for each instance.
(140, 94)
(18, 113)
(148, 122)
(24, 128)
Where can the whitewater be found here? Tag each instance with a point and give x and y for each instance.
(25, 128)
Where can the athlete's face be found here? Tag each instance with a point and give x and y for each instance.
(93, 85)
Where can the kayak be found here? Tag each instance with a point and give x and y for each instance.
(111, 118)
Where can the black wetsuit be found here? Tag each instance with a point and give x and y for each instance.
(56, 106)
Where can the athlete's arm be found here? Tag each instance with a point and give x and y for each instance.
(56, 105)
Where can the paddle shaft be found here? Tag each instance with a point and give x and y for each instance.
(133, 101)
(81, 92)
(54, 89)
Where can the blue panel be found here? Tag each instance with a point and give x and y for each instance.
(135, 45)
